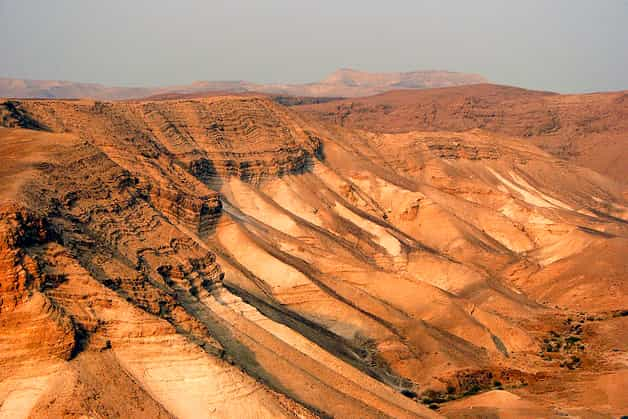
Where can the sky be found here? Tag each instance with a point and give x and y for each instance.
(566, 46)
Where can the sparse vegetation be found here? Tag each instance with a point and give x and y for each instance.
(409, 393)
(566, 346)
(473, 390)
(621, 313)
(472, 383)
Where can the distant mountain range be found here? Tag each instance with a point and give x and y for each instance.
(343, 82)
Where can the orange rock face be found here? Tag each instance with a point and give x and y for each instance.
(227, 257)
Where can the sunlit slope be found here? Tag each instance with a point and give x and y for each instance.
(230, 259)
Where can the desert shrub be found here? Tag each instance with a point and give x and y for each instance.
(475, 389)
(409, 393)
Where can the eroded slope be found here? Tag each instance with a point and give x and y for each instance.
(588, 129)
(343, 272)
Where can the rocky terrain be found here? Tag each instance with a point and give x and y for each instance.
(230, 257)
(587, 129)
(343, 82)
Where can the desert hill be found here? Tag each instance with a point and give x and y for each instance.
(342, 83)
(228, 257)
(588, 129)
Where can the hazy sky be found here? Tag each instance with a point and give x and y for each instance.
(560, 45)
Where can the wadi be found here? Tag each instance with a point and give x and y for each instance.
(454, 252)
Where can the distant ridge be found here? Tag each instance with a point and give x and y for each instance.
(343, 82)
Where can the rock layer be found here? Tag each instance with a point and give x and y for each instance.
(224, 257)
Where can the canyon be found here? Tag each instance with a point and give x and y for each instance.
(455, 252)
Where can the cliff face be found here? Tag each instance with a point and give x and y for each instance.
(210, 138)
(223, 257)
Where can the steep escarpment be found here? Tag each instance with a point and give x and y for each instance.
(224, 257)
(211, 138)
